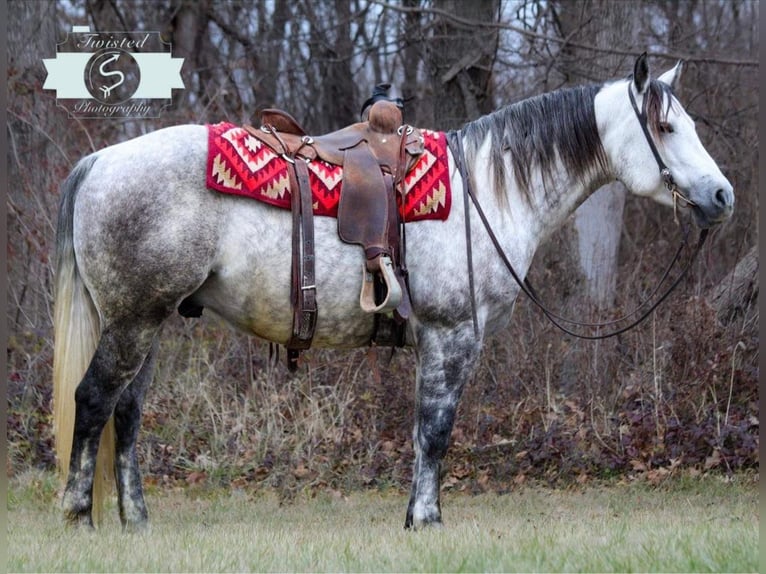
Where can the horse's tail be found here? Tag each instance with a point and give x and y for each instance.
(76, 333)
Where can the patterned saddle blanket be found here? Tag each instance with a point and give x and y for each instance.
(240, 164)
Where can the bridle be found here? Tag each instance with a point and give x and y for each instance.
(667, 177)
(455, 142)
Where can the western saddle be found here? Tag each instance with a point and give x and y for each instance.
(375, 155)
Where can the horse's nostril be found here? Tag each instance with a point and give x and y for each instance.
(721, 197)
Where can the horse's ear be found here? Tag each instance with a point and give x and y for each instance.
(641, 73)
(672, 76)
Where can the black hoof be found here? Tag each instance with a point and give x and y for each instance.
(79, 520)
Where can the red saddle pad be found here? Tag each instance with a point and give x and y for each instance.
(240, 164)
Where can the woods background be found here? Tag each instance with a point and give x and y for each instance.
(678, 394)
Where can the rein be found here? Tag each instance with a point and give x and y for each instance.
(455, 142)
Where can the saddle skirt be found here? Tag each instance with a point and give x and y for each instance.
(240, 164)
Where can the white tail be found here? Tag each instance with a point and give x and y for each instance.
(76, 333)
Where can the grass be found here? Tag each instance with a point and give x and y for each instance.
(704, 524)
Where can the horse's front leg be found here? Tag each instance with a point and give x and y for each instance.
(446, 358)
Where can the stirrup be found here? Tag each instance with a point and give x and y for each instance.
(393, 295)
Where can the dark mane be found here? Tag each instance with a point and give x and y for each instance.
(538, 131)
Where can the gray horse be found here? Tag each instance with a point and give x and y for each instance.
(138, 233)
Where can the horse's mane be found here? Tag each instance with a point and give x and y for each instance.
(556, 125)
(538, 131)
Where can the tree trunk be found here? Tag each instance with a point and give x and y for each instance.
(598, 221)
(34, 126)
(410, 38)
(274, 29)
(736, 296)
(342, 104)
(461, 61)
(188, 24)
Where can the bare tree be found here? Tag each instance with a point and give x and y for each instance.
(460, 61)
(32, 133)
(598, 221)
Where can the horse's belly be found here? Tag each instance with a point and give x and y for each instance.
(270, 317)
(250, 283)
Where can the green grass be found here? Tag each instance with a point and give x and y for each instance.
(689, 525)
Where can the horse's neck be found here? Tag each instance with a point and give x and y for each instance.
(522, 222)
(548, 207)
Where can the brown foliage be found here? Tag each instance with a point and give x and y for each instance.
(678, 392)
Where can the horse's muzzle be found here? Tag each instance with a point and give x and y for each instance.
(716, 207)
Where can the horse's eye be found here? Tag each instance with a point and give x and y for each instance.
(666, 128)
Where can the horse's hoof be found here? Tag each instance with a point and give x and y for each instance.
(410, 524)
(135, 527)
(80, 520)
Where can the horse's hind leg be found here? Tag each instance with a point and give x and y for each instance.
(118, 358)
(446, 359)
(127, 421)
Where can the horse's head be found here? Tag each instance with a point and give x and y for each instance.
(653, 133)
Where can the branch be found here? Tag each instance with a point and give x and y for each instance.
(473, 24)
(465, 62)
(36, 126)
(246, 41)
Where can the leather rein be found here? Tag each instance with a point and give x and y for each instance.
(455, 142)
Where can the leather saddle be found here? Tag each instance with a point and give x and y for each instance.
(375, 155)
